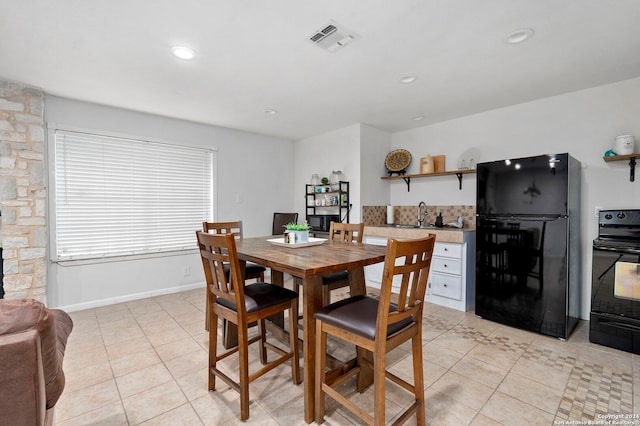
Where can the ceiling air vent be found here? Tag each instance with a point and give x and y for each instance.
(333, 36)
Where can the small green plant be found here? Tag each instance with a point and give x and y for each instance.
(325, 181)
(292, 226)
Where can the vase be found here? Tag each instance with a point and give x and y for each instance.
(296, 237)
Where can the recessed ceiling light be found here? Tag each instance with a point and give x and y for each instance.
(518, 36)
(270, 111)
(183, 52)
(417, 117)
(409, 78)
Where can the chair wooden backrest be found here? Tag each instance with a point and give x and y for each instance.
(414, 269)
(280, 220)
(223, 228)
(216, 250)
(348, 232)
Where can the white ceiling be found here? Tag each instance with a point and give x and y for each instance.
(255, 55)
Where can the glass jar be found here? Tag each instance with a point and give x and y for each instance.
(315, 179)
(334, 180)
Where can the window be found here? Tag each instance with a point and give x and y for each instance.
(116, 196)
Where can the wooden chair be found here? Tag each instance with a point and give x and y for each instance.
(252, 271)
(378, 326)
(243, 305)
(280, 220)
(348, 232)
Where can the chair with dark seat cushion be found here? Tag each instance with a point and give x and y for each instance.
(347, 232)
(377, 325)
(252, 271)
(242, 305)
(33, 340)
(280, 220)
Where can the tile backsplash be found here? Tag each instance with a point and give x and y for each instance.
(408, 215)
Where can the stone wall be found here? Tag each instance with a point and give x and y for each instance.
(23, 191)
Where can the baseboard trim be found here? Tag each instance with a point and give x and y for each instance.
(130, 297)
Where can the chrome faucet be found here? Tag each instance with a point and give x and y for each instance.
(422, 216)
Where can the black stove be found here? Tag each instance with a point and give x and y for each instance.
(615, 284)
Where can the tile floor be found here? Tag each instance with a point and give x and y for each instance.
(144, 362)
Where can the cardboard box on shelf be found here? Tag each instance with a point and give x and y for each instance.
(438, 163)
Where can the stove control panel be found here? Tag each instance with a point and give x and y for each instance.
(619, 218)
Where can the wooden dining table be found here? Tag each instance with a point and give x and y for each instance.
(309, 264)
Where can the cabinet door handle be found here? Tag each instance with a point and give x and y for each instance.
(445, 285)
(445, 265)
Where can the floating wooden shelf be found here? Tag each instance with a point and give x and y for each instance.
(632, 163)
(407, 178)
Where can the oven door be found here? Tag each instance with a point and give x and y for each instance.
(616, 281)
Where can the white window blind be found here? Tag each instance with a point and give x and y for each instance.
(116, 196)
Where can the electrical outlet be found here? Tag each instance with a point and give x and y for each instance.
(186, 271)
(597, 211)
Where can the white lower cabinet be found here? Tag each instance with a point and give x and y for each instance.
(452, 274)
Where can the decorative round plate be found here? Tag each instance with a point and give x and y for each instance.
(397, 160)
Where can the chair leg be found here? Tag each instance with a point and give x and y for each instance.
(418, 376)
(321, 349)
(206, 314)
(293, 342)
(263, 337)
(379, 366)
(213, 346)
(243, 359)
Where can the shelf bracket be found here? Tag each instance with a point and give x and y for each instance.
(632, 169)
(407, 180)
(459, 181)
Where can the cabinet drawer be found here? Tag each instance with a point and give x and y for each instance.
(448, 250)
(446, 285)
(448, 265)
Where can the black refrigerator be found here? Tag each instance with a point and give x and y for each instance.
(527, 243)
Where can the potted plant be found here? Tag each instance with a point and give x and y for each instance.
(296, 233)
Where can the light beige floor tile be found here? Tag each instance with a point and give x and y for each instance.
(153, 402)
(482, 420)
(128, 347)
(480, 371)
(111, 414)
(531, 392)
(220, 407)
(440, 355)
(116, 335)
(172, 350)
(130, 363)
(510, 411)
(183, 416)
(498, 356)
(167, 336)
(186, 364)
(454, 342)
(467, 392)
(87, 376)
(75, 403)
(554, 378)
(143, 379)
(194, 385)
(444, 410)
(76, 360)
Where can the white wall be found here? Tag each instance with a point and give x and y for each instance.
(335, 150)
(374, 146)
(254, 179)
(583, 123)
